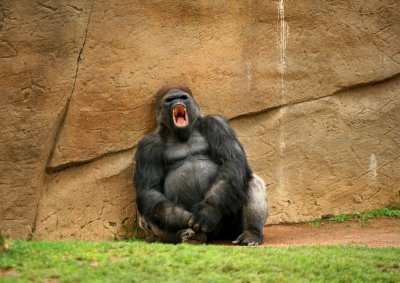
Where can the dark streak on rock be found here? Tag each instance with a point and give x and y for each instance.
(74, 8)
(336, 92)
(74, 164)
(370, 83)
(46, 6)
(65, 112)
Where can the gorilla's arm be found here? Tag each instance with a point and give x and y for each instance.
(228, 194)
(149, 178)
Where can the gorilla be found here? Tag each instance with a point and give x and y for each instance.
(193, 182)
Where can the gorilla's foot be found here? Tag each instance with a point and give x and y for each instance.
(248, 238)
(189, 236)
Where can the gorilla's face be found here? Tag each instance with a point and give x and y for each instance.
(177, 110)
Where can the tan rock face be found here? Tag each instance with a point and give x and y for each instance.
(39, 46)
(93, 201)
(312, 91)
(205, 46)
(272, 53)
(331, 155)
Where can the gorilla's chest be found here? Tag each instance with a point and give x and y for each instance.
(189, 170)
(177, 152)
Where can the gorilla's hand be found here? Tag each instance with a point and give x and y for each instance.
(205, 218)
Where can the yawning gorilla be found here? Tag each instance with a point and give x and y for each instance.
(193, 182)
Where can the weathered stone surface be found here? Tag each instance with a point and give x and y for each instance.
(39, 47)
(328, 156)
(312, 91)
(204, 45)
(93, 201)
(336, 44)
(271, 52)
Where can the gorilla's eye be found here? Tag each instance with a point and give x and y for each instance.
(170, 99)
(183, 97)
(176, 97)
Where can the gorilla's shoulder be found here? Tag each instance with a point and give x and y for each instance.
(214, 120)
(151, 143)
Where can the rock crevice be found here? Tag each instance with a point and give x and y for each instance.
(65, 111)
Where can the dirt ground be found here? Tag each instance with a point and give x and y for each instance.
(382, 232)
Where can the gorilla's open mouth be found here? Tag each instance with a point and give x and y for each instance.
(180, 116)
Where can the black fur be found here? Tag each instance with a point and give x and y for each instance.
(194, 178)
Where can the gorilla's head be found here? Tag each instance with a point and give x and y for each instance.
(177, 110)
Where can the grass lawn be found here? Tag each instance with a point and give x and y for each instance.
(137, 261)
(363, 217)
(366, 216)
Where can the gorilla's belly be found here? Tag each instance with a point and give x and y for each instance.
(187, 183)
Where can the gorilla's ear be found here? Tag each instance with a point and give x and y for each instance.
(166, 89)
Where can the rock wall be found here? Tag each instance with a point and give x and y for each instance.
(312, 90)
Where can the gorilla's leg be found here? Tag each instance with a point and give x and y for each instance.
(155, 234)
(189, 236)
(254, 214)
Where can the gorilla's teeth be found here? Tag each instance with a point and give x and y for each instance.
(180, 116)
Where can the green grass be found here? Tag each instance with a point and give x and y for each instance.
(136, 261)
(365, 217)
(316, 223)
